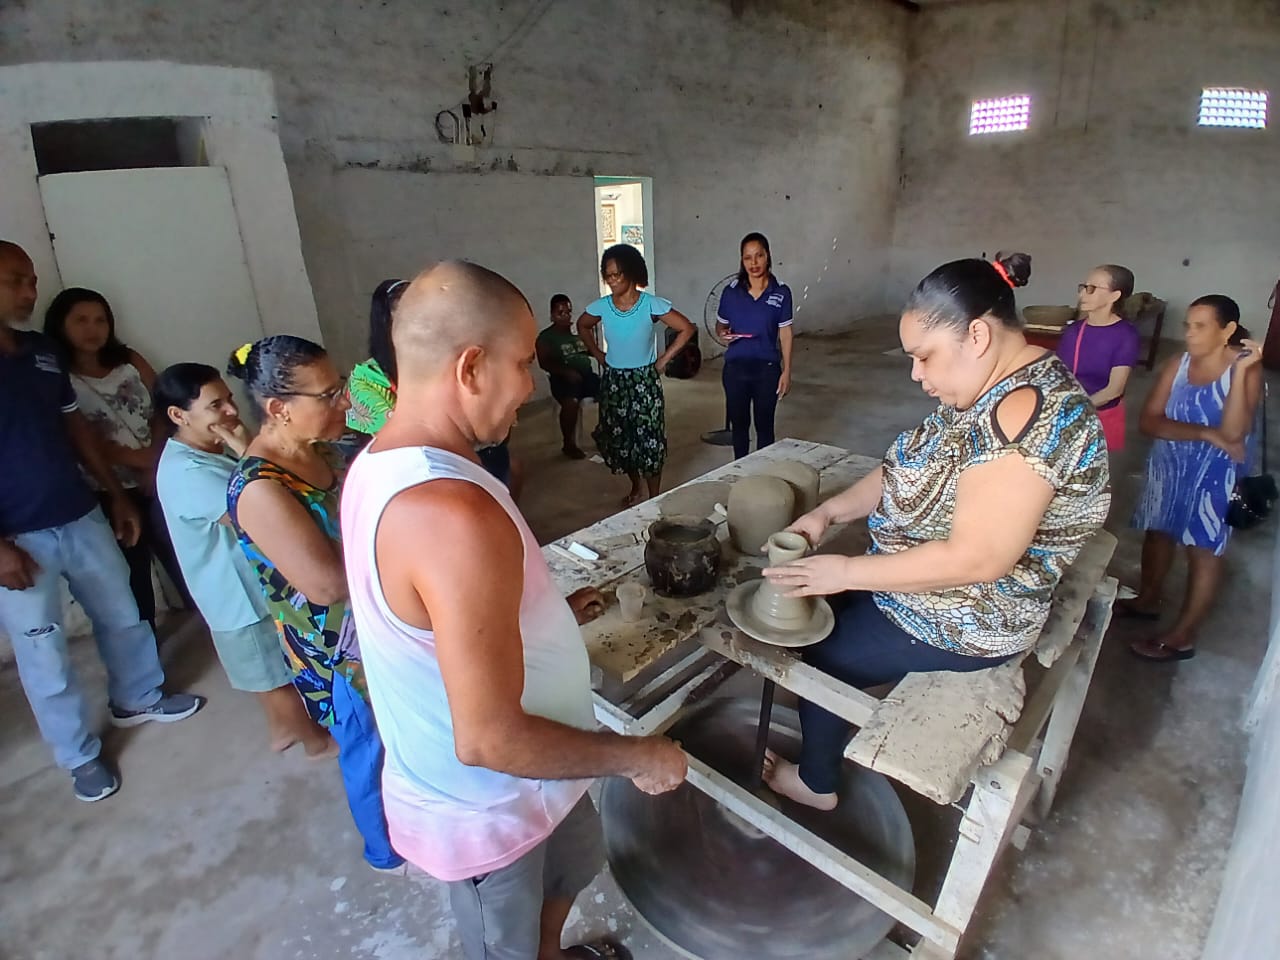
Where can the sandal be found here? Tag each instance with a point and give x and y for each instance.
(605, 948)
(1167, 654)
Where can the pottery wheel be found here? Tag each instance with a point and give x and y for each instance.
(738, 606)
(716, 888)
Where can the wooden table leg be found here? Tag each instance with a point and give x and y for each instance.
(762, 732)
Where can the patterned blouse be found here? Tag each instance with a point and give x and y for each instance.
(118, 406)
(317, 639)
(1063, 444)
(372, 398)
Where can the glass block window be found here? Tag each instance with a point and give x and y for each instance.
(999, 115)
(1233, 107)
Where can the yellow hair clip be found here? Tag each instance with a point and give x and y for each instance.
(242, 355)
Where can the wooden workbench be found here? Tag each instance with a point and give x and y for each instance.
(943, 735)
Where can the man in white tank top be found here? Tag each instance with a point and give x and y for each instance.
(476, 667)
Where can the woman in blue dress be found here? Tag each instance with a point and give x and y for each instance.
(632, 434)
(1199, 412)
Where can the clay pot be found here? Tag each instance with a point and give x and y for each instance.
(803, 479)
(770, 606)
(682, 556)
(758, 506)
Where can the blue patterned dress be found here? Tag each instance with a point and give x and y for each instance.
(1189, 482)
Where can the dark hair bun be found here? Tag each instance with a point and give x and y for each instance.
(238, 362)
(1016, 265)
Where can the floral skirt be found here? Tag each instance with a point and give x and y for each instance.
(632, 434)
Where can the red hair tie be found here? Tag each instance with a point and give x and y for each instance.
(1004, 274)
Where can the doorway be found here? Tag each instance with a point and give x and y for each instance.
(624, 214)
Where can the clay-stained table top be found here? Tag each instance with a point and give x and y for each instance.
(623, 650)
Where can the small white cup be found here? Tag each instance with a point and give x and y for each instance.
(631, 601)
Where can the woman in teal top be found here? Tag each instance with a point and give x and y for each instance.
(632, 434)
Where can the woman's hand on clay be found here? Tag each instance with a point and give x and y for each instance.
(811, 526)
(819, 576)
(587, 604)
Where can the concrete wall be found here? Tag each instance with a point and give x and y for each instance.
(1114, 167)
(784, 120)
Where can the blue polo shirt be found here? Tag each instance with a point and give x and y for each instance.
(42, 485)
(760, 318)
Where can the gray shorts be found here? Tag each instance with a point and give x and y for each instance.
(498, 913)
(252, 657)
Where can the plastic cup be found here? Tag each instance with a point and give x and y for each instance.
(631, 601)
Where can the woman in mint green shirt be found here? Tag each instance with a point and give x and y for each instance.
(632, 434)
(206, 439)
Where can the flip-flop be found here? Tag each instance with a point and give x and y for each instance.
(1170, 653)
(605, 948)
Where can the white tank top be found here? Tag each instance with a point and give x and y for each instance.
(452, 820)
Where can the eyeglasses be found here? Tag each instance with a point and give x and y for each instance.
(1090, 288)
(610, 277)
(331, 396)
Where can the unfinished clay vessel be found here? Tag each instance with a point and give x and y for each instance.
(803, 480)
(770, 604)
(758, 506)
(682, 556)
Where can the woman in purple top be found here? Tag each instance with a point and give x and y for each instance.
(754, 319)
(1102, 348)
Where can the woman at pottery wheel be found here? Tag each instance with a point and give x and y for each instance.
(973, 515)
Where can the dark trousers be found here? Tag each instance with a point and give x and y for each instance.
(153, 544)
(751, 386)
(864, 650)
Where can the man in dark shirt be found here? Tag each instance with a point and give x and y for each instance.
(52, 527)
(563, 355)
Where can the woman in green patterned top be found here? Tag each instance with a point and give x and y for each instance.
(973, 515)
(282, 502)
(371, 388)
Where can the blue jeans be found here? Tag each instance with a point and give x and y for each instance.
(86, 553)
(361, 763)
(751, 386)
(865, 650)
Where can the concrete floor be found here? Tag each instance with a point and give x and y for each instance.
(215, 848)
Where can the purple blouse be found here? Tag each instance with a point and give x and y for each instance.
(1101, 348)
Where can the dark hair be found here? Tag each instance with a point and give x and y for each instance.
(385, 297)
(560, 298)
(113, 353)
(761, 239)
(630, 263)
(267, 367)
(1227, 311)
(179, 386)
(959, 292)
(1121, 280)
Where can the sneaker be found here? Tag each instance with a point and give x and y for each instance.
(170, 708)
(401, 869)
(93, 781)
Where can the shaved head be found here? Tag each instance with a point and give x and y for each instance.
(449, 308)
(17, 284)
(11, 251)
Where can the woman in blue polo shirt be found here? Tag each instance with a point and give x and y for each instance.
(754, 318)
(632, 434)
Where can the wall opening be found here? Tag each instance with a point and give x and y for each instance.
(128, 143)
(624, 214)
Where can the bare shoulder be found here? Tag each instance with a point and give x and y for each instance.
(1016, 411)
(457, 512)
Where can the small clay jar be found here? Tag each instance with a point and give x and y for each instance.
(770, 605)
(682, 556)
(804, 481)
(758, 506)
